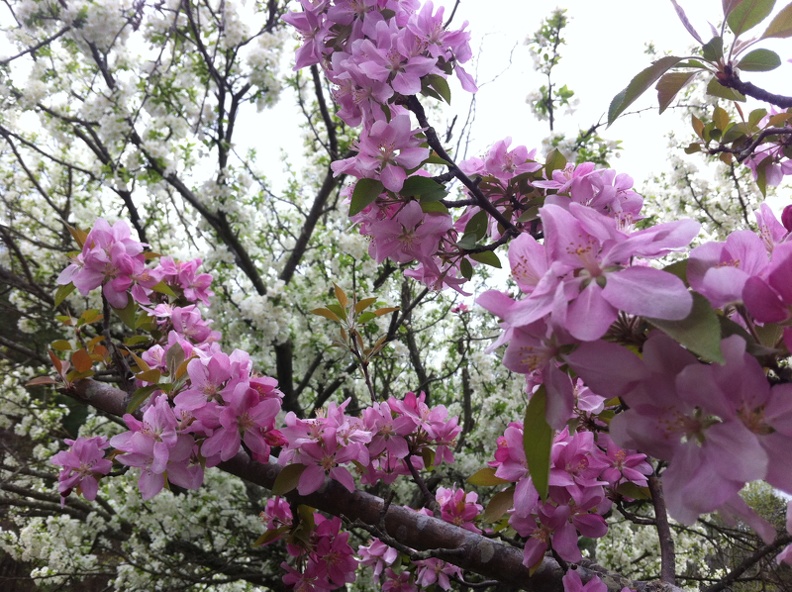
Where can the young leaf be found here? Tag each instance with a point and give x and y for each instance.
(287, 479)
(41, 381)
(716, 89)
(555, 161)
(781, 25)
(537, 442)
(759, 60)
(78, 235)
(485, 478)
(326, 313)
(366, 191)
(139, 397)
(61, 345)
(712, 50)
(747, 14)
(700, 332)
(698, 126)
(340, 295)
(164, 288)
(500, 503)
(683, 17)
(720, 118)
(81, 361)
(487, 258)
(670, 84)
(639, 84)
(364, 304)
(62, 292)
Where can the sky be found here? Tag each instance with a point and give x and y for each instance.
(606, 42)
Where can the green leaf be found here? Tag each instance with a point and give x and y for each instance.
(468, 241)
(759, 60)
(747, 14)
(716, 89)
(712, 50)
(429, 207)
(477, 225)
(632, 491)
(555, 161)
(338, 310)
(428, 456)
(486, 478)
(700, 332)
(270, 536)
(440, 84)
(366, 191)
(670, 84)
(139, 397)
(466, 269)
(639, 84)
(128, 313)
(728, 6)
(720, 118)
(500, 503)
(537, 442)
(61, 345)
(756, 116)
(287, 479)
(62, 292)
(164, 288)
(679, 269)
(424, 187)
(487, 258)
(90, 316)
(781, 25)
(435, 158)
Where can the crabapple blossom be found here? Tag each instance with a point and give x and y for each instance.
(82, 466)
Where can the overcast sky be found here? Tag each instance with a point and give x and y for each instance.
(606, 42)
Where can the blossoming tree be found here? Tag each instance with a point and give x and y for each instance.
(654, 377)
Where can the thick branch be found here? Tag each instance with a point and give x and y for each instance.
(667, 556)
(446, 541)
(732, 80)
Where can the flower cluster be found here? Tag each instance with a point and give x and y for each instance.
(586, 470)
(83, 464)
(456, 507)
(389, 439)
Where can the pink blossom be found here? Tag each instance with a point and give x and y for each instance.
(82, 466)
(386, 150)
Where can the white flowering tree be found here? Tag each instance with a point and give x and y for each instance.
(321, 408)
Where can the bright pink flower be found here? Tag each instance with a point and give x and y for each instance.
(386, 151)
(573, 583)
(377, 555)
(592, 276)
(434, 571)
(458, 507)
(719, 270)
(245, 417)
(82, 464)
